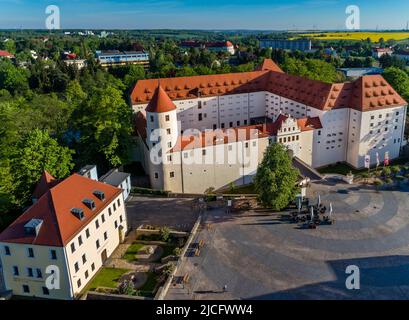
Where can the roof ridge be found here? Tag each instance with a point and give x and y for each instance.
(56, 222)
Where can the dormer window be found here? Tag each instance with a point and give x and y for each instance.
(79, 213)
(89, 203)
(99, 194)
(32, 227)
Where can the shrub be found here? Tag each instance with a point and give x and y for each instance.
(153, 192)
(164, 233)
(388, 181)
(177, 251)
(167, 271)
(395, 170)
(386, 171)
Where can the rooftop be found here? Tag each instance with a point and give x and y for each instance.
(114, 177)
(369, 92)
(55, 207)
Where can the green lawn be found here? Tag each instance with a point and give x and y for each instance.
(132, 251)
(106, 277)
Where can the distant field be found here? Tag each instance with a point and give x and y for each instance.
(374, 36)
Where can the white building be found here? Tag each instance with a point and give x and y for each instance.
(325, 123)
(379, 52)
(73, 226)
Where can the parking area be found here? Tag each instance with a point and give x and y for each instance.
(176, 213)
(262, 255)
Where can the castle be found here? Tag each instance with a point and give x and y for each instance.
(209, 131)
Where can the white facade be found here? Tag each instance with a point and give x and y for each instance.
(77, 262)
(364, 117)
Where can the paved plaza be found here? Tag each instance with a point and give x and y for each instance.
(262, 255)
(176, 213)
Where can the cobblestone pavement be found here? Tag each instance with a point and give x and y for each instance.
(261, 255)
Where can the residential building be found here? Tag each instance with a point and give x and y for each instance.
(6, 54)
(292, 45)
(116, 57)
(201, 117)
(114, 177)
(118, 179)
(379, 52)
(71, 229)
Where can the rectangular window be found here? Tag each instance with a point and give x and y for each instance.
(120, 218)
(30, 272)
(119, 202)
(203, 152)
(86, 274)
(238, 123)
(79, 283)
(116, 224)
(97, 244)
(231, 124)
(84, 258)
(109, 211)
(7, 251)
(26, 288)
(200, 116)
(39, 273)
(156, 175)
(114, 205)
(96, 224)
(46, 292)
(87, 233)
(76, 267)
(172, 174)
(30, 253)
(222, 125)
(79, 241)
(105, 236)
(93, 266)
(245, 122)
(72, 247)
(53, 255)
(15, 271)
(152, 119)
(103, 218)
(167, 118)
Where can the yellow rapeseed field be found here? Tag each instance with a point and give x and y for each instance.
(374, 36)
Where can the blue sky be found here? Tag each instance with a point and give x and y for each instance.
(209, 14)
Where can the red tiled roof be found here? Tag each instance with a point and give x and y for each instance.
(221, 136)
(269, 65)
(47, 181)
(6, 54)
(160, 102)
(305, 124)
(54, 208)
(243, 133)
(269, 77)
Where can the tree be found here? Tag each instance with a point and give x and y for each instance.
(37, 152)
(276, 179)
(12, 78)
(399, 80)
(103, 127)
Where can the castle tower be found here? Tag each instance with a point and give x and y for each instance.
(161, 114)
(162, 135)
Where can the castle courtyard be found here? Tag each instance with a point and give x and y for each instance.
(262, 255)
